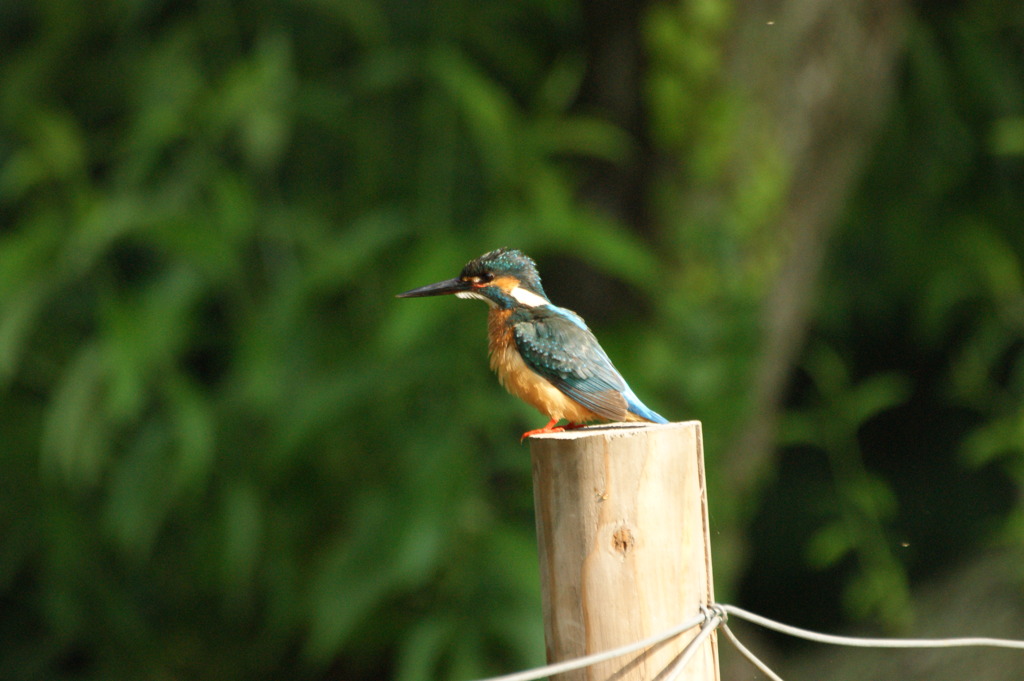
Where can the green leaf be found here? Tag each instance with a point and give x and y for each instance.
(487, 110)
(76, 435)
(829, 545)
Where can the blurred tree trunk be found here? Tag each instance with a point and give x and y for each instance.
(613, 86)
(825, 86)
(819, 77)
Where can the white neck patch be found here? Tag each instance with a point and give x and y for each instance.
(527, 298)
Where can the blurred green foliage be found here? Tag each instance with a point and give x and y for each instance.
(912, 384)
(228, 452)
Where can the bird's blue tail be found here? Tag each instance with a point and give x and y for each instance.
(637, 407)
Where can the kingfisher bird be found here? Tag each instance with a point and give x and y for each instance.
(543, 354)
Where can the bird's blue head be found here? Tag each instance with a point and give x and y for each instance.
(503, 278)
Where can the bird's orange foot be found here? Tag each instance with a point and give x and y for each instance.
(551, 428)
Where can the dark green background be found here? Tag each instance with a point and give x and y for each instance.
(227, 451)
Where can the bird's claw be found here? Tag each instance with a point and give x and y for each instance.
(551, 428)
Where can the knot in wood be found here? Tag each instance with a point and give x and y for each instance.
(623, 540)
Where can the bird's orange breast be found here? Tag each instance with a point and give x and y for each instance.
(522, 381)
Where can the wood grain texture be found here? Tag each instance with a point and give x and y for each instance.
(624, 548)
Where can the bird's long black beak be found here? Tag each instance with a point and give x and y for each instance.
(441, 288)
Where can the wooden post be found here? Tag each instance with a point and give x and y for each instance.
(622, 527)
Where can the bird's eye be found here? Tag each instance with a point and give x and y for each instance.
(479, 279)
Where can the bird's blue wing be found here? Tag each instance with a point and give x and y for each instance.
(558, 345)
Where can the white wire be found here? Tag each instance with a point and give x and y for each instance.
(870, 642)
(713, 620)
(580, 662)
(751, 657)
(715, 615)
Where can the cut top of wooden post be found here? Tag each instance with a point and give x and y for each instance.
(622, 530)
